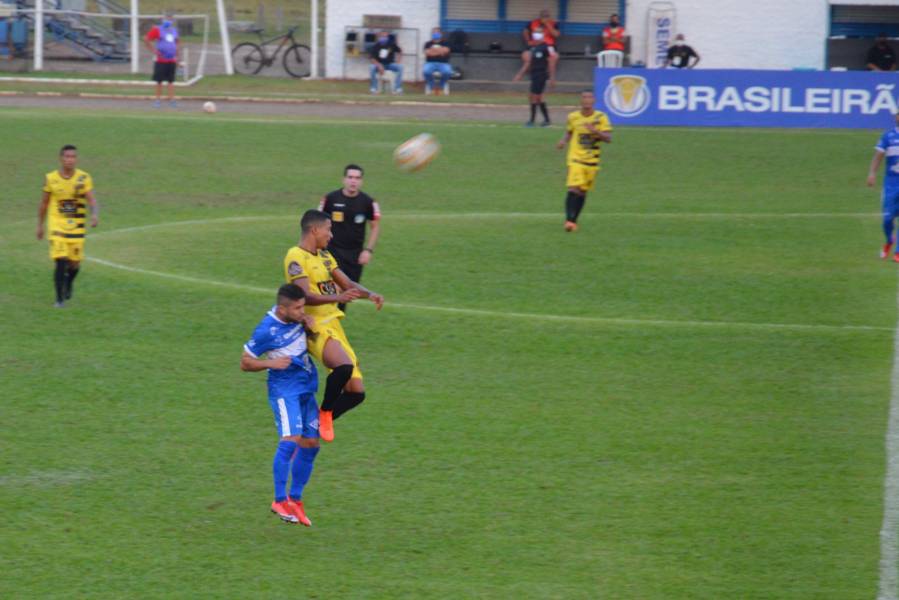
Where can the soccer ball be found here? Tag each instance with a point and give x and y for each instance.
(416, 153)
(209, 107)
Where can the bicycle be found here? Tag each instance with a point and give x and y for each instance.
(249, 57)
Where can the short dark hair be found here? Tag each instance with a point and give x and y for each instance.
(588, 91)
(352, 166)
(290, 292)
(311, 218)
(67, 147)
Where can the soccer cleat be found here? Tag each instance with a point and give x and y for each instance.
(296, 507)
(284, 512)
(173, 103)
(545, 124)
(570, 226)
(529, 124)
(157, 104)
(326, 425)
(58, 305)
(885, 253)
(896, 257)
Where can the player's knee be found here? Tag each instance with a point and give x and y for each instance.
(74, 265)
(308, 442)
(356, 386)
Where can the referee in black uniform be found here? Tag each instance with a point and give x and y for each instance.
(536, 60)
(350, 209)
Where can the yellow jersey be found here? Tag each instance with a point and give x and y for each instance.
(300, 263)
(584, 148)
(68, 206)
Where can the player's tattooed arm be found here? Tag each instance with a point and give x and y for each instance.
(349, 285)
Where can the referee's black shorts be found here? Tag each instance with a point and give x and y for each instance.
(349, 264)
(163, 71)
(538, 82)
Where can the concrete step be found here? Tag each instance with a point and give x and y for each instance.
(486, 85)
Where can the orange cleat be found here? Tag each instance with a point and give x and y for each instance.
(570, 226)
(296, 508)
(326, 425)
(896, 257)
(284, 512)
(885, 253)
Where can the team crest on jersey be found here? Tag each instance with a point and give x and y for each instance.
(294, 269)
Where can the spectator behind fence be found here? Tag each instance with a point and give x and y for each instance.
(549, 28)
(437, 55)
(386, 56)
(613, 35)
(680, 54)
(881, 56)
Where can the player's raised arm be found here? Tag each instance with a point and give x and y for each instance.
(875, 165)
(348, 285)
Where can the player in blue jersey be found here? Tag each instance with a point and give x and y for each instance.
(888, 147)
(278, 344)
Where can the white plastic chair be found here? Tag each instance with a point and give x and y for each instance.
(387, 81)
(610, 59)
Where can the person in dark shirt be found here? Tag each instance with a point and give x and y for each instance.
(437, 53)
(385, 55)
(881, 56)
(680, 54)
(350, 209)
(538, 59)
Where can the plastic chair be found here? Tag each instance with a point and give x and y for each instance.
(610, 59)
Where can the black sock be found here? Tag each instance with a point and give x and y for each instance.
(533, 112)
(334, 385)
(59, 278)
(544, 111)
(70, 279)
(579, 205)
(570, 204)
(342, 307)
(348, 401)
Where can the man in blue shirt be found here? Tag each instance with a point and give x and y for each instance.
(888, 147)
(278, 344)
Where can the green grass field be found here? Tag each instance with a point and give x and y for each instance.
(685, 399)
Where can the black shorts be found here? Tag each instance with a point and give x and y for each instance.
(164, 72)
(538, 82)
(348, 261)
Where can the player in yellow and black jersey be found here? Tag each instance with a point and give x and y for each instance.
(310, 266)
(68, 193)
(587, 128)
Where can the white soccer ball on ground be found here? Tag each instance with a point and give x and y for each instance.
(416, 153)
(209, 107)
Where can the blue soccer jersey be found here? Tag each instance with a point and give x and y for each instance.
(889, 145)
(276, 338)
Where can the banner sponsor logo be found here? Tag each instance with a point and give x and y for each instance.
(627, 95)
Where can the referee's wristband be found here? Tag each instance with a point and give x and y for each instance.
(369, 250)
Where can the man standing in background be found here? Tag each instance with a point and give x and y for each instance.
(350, 209)
(165, 36)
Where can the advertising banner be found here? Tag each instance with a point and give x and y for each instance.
(738, 98)
(660, 32)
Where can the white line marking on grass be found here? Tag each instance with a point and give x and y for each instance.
(889, 530)
(515, 315)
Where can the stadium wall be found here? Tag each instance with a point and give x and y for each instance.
(416, 14)
(743, 34)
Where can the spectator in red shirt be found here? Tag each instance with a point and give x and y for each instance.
(165, 36)
(613, 35)
(550, 30)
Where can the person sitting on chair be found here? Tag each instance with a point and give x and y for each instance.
(385, 55)
(437, 53)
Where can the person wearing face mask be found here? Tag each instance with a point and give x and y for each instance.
(881, 56)
(437, 55)
(165, 48)
(680, 54)
(385, 55)
(613, 35)
(549, 29)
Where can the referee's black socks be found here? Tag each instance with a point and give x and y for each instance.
(334, 386)
(544, 111)
(533, 112)
(59, 278)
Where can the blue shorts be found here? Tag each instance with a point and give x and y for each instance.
(295, 413)
(890, 202)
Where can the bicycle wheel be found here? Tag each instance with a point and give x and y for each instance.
(298, 60)
(248, 58)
